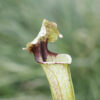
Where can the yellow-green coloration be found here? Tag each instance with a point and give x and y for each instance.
(60, 81)
(59, 77)
(48, 31)
(52, 32)
(56, 66)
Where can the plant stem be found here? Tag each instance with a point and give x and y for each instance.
(59, 78)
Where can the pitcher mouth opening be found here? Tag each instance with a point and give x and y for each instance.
(40, 51)
(44, 56)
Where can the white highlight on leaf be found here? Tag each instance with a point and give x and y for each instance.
(41, 34)
(60, 36)
(64, 58)
(42, 31)
(69, 58)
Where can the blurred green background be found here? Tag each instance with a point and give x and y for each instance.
(21, 78)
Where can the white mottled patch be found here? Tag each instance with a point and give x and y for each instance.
(42, 31)
(69, 59)
(41, 34)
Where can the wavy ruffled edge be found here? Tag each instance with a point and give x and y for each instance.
(48, 33)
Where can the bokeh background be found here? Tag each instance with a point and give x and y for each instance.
(21, 78)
